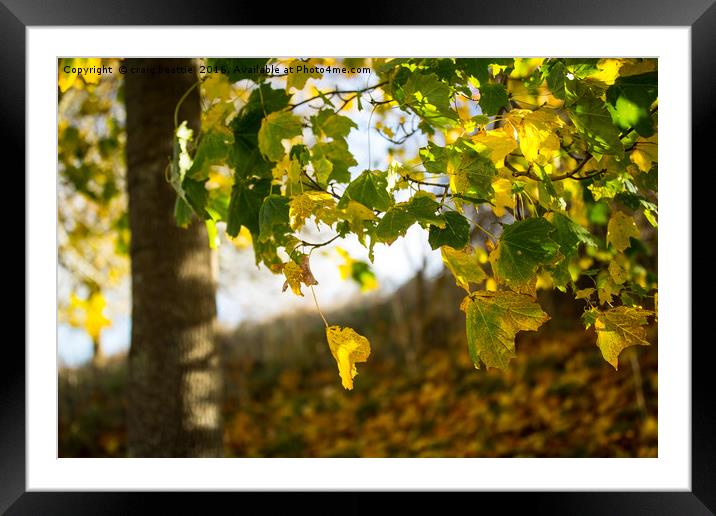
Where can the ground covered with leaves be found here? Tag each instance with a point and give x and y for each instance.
(558, 398)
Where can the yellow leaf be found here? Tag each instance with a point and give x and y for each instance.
(617, 273)
(619, 328)
(608, 71)
(584, 293)
(66, 79)
(356, 214)
(346, 268)
(319, 204)
(93, 67)
(296, 274)
(89, 314)
(464, 265)
(536, 131)
(606, 290)
(243, 240)
(503, 196)
(619, 229)
(347, 348)
(645, 153)
(217, 86)
(215, 116)
(637, 67)
(499, 143)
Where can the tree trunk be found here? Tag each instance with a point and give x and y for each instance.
(174, 405)
(97, 353)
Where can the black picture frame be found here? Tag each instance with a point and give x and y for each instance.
(699, 15)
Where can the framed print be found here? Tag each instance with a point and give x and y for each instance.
(384, 257)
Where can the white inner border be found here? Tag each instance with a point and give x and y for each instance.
(671, 470)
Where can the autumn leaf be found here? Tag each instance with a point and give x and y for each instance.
(319, 204)
(89, 314)
(503, 196)
(498, 143)
(617, 329)
(347, 348)
(536, 131)
(617, 273)
(297, 274)
(584, 293)
(620, 228)
(464, 264)
(493, 320)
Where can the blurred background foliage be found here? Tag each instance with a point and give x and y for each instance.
(419, 395)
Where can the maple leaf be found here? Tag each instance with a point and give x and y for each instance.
(619, 229)
(464, 264)
(536, 130)
(617, 329)
(493, 320)
(275, 127)
(320, 204)
(498, 142)
(296, 274)
(523, 246)
(347, 347)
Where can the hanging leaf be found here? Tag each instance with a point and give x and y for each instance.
(347, 348)
(493, 320)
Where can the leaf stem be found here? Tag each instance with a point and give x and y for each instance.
(315, 300)
(492, 237)
(181, 101)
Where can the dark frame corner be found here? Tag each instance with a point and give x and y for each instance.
(700, 15)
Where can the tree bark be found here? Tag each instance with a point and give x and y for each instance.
(174, 397)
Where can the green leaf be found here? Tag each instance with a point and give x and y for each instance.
(239, 69)
(274, 128)
(331, 125)
(182, 212)
(470, 172)
(455, 233)
(370, 189)
(274, 217)
(555, 80)
(246, 158)
(492, 98)
(493, 319)
(339, 155)
(569, 235)
(594, 124)
(322, 169)
(478, 67)
(429, 96)
(196, 195)
(523, 246)
(247, 195)
(420, 208)
(214, 149)
(629, 100)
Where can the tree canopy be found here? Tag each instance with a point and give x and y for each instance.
(559, 154)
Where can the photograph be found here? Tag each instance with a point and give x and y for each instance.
(358, 257)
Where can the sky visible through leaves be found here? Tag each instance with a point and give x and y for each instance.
(75, 346)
